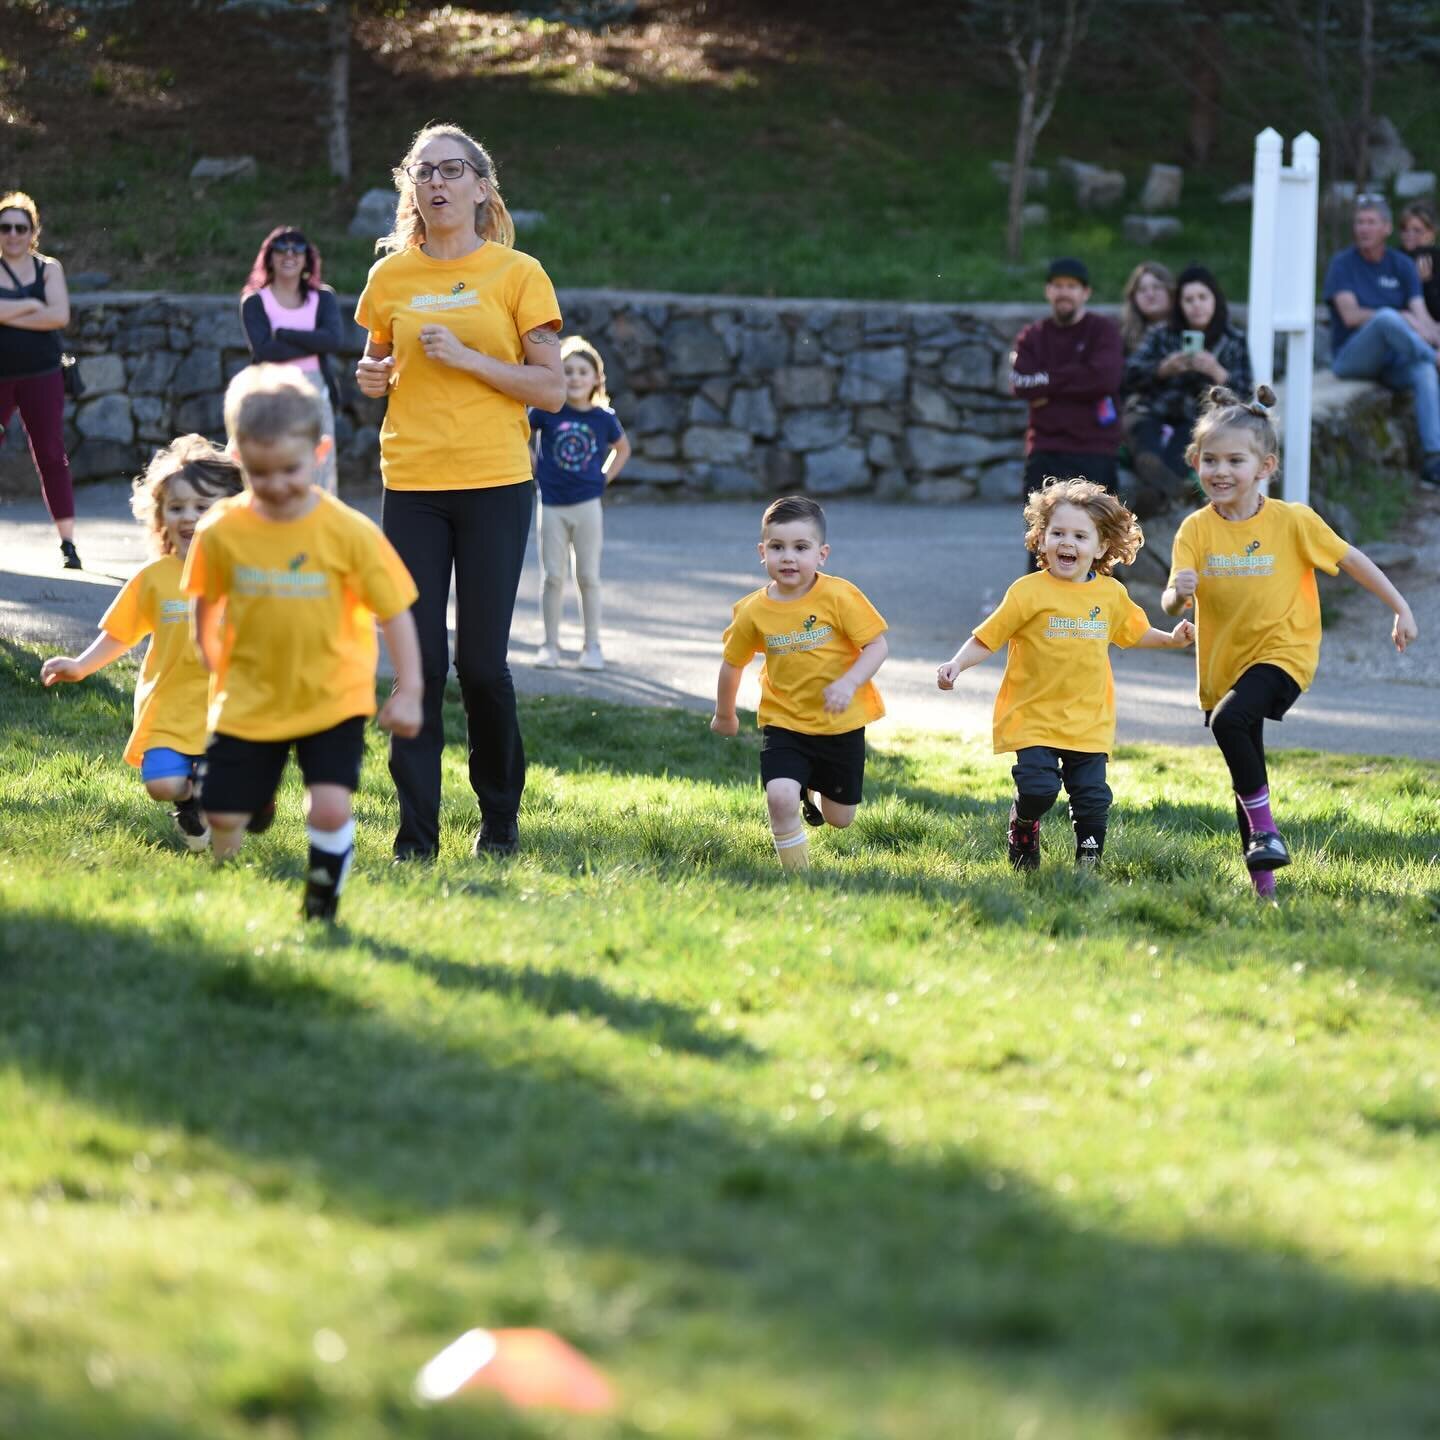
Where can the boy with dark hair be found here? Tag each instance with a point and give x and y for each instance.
(822, 641)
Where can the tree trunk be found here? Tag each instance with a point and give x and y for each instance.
(338, 43)
(1367, 90)
(1203, 127)
(1024, 148)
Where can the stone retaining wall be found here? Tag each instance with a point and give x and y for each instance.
(720, 396)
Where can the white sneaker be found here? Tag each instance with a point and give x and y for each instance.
(547, 658)
(591, 658)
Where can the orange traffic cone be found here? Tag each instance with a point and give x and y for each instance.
(532, 1369)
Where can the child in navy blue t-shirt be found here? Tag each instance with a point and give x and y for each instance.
(577, 449)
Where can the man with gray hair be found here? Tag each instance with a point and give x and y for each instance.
(1379, 326)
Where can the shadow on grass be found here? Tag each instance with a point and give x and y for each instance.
(863, 1255)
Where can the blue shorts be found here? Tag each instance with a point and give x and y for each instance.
(162, 763)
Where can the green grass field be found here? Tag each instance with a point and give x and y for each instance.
(915, 1148)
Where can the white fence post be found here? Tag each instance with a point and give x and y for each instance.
(1282, 288)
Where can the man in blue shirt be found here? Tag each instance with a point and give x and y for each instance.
(1379, 326)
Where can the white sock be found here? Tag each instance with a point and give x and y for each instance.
(336, 842)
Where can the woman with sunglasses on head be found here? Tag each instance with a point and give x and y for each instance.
(34, 309)
(291, 318)
(464, 336)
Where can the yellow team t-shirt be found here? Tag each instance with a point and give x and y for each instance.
(173, 690)
(1256, 601)
(298, 646)
(444, 429)
(807, 644)
(1058, 689)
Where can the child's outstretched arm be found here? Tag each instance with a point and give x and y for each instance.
(971, 653)
(96, 656)
(616, 460)
(727, 686)
(1182, 635)
(839, 693)
(1364, 571)
(403, 713)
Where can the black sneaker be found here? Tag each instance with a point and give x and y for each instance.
(1024, 842)
(261, 820)
(321, 900)
(1266, 851)
(497, 837)
(810, 810)
(71, 554)
(191, 824)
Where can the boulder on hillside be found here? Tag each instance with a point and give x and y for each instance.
(1095, 187)
(1387, 152)
(375, 214)
(1162, 188)
(216, 169)
(1037, 177)
(1149, 229)
(1413, 184)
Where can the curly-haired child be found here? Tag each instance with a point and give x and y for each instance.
(1056, 706)
(172, 694)
(1247, 564)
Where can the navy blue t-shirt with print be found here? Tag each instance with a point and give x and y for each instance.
(1389, 283)
(573, 447)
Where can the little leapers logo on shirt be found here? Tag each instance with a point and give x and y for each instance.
(174, 612)
(458, 296)
(810, 636)
(1074, 627)
(1250, 563)
(291, 583)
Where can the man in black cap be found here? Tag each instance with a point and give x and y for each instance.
(1068, 368)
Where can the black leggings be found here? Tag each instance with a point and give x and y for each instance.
(1263, 692)
(481, 535)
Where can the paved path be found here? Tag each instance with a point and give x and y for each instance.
(673, 571)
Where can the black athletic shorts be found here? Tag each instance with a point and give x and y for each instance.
(832, 764)
(240, 777)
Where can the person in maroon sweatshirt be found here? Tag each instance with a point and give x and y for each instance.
(1068, 369)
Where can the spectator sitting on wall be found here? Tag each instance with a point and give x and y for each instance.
(1166, 379)
(1067, 368)
(1379, 327)
(1146, 302)
(1417, 240)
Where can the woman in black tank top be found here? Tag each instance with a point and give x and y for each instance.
(34, 309)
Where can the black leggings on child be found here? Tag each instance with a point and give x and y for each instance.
(1263, 692)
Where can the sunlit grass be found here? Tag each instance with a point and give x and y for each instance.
(913, 1148)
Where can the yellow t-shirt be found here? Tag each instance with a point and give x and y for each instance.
(174, 687)
(298, 646)
(807, 644)
(1256, 602)
(444, 429)
(1058, 689)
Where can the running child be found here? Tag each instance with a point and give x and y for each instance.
(578, 449)
(1056, 705)
(1247, 564)
(287, 583)
(171, 696)
(822, 641)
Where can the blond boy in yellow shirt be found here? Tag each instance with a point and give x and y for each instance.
(1056, 706)
(822, 641)
(287, 584)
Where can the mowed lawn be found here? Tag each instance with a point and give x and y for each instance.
(915, 1148)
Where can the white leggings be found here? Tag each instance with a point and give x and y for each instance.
(565, 529)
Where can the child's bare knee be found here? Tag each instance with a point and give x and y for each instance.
(783, 798)
(328, 807)
(840, 816)
(168, 787)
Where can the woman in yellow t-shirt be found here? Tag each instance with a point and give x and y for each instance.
(1247, 564)
(464, 336)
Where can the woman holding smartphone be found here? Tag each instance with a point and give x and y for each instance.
(1166, 378)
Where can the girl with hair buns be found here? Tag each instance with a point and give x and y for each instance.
(1247, 563)
(34, 309)
(464, 336)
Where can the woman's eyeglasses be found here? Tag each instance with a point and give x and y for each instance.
(423, 172)
(288, 247)
(9, 227)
